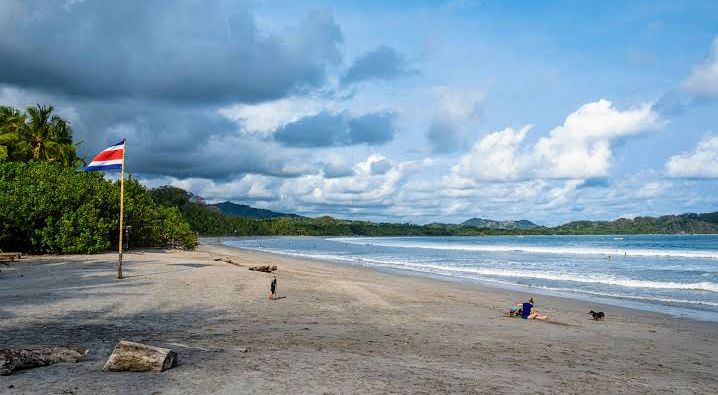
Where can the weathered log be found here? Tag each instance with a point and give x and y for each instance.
(136, 357)
(16, 359)
(265, 268)
(227, 260)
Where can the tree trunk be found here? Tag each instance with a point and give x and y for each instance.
(138, 357)
(12, 360)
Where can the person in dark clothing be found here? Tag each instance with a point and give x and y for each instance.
(528, 312)
(273, 289)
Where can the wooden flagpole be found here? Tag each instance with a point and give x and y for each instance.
(122, 209)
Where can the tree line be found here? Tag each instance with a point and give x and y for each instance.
(210, 221)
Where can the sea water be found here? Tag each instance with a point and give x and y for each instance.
(676, 274)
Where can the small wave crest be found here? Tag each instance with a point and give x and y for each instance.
(533, 249)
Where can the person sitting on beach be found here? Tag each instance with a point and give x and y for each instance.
(528, 312)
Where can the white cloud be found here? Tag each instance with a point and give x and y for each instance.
(578, 149)
(264, 118)
(250, 187)
(581, 147)
(703, 81)
(375, 182)
(702, 162)
(494, 157)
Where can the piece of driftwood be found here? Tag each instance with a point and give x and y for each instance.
(16, 359)
(226, 259)
(137, 357)
(265, 268)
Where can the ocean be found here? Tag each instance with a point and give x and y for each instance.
(675, 274)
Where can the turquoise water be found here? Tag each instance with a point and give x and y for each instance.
(677, 274)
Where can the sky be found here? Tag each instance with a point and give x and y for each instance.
(433, 111)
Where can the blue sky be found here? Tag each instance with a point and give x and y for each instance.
(395, 111)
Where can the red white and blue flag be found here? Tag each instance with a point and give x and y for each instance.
(109, 159)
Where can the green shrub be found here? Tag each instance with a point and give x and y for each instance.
(45, 207)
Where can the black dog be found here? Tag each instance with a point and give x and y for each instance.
(597, 316)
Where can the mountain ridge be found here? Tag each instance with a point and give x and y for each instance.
(247, 211)
(493, 224)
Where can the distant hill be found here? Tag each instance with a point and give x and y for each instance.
(507, 225)
(683, 223)
(245, 211)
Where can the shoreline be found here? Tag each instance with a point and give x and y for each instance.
(336, 328)
(605, 301)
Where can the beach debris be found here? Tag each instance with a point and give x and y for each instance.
(242, 349)
(137, 357)
(16, 359)
(227, 260)
(264, 268)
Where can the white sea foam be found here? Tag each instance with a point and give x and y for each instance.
(635, 297)
(532, 249)
(492, 273)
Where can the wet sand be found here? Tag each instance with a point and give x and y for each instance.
(336, 329)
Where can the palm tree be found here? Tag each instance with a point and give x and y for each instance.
(38, 135)
(47, 137)
(11, 121)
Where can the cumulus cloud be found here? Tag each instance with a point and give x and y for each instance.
(180, 51)
(581, 147)
(382, 63)
(702, 162)
(248, 188)
(494, 157)
(264, 118)
(375, 186)
(327, 129)
(578, 149)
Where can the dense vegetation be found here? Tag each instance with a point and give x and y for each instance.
(684, 223)
(47, 208)
(209, 221)
(47, 204)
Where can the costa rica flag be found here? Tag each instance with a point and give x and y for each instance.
(111, 158)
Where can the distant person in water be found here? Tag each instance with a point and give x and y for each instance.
(528, 312)
(273, 289)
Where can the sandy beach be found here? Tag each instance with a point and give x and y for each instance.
(336, 329)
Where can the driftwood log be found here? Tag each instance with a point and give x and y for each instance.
(136, 357)
(16, 359)
(266, 268)
(226, 259)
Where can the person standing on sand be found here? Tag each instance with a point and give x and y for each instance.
(273, 289)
